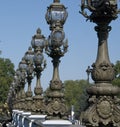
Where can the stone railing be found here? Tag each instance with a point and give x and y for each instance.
(25, 119)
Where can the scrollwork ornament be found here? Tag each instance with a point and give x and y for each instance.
(90, 116)
(116, 113)
(29, 103)
(94, 119)
(105, 107)
(56, 108)
(56, 84)
(38, 107)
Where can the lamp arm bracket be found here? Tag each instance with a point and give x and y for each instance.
(89, 6)
(84, 14)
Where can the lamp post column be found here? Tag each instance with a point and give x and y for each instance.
(103, 108)
(29, 70)
(22, 67)
(38, 43)
(56, 48)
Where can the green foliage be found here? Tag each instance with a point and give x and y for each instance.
(75, 94)
(6, 77)
(116, 81)
(117, 69)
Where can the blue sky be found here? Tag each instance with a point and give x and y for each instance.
(19, 20)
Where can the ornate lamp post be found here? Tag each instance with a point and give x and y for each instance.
(56, 48)
(22, 68)
(88, 73)
(16, 82)
(38, 43)
(19, 82)
(10, 97)
(29, 70)
(103, 108)
(18, 89)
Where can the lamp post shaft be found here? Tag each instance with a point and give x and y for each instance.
(56, 62)
(102, 33)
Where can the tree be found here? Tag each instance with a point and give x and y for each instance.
(116, 81)
(75, 94)
(6, 77)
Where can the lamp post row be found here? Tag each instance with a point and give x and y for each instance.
(103, 109)
(33, 63)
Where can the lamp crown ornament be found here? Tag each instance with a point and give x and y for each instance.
(100, 9)
(38, 41)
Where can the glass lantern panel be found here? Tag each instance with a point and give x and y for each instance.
(56, 43)
(38, 58)
(29, 70)
(49, 15)
(22, 66)
(57, 15)
(17, 73)
(58, 36)
(29, 57)
(39, 42)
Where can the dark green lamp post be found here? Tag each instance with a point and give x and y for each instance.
(56, 48)
(103, 110)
